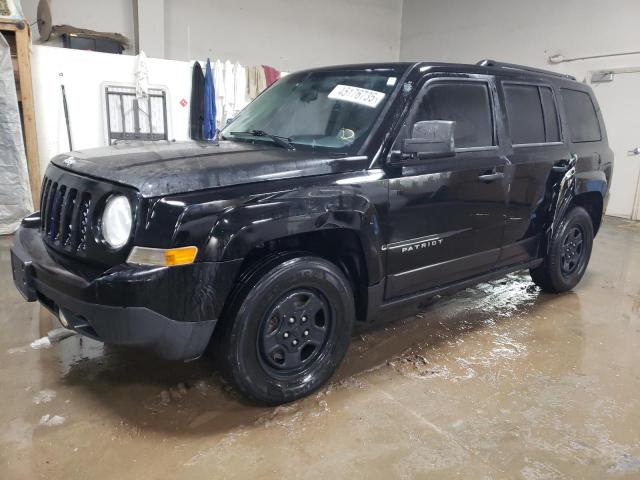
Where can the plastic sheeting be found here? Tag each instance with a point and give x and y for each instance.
(11, 9)
(15, 196)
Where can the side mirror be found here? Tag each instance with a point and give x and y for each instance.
(430, 139)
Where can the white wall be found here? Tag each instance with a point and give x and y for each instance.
(83, 75)
(100, 15)
(151, 27)
(521, 31)
(289, 35)
(286, 35)
(528, 33)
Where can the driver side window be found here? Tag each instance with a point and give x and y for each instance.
(468, 103)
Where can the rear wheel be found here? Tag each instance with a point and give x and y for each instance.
(569, 253)
(287, 328)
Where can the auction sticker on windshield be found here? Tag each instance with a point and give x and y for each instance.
(361, 96)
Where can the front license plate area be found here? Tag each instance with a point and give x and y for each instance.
(23, 277)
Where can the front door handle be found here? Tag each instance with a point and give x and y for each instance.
(491, 177)
(560, 168)
(635, 151)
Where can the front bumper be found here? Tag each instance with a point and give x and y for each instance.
(170, 310)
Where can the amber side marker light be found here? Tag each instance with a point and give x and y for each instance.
(162, 257)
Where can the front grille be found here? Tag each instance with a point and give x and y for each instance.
(64, 220)
(70, 210)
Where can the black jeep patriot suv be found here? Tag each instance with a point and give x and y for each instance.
(337, 196)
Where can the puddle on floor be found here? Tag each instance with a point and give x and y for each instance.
(497, 381)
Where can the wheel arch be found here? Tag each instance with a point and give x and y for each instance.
(341, 246)
(585, 189)
(337, 225)
(593, 203)
(301, 219)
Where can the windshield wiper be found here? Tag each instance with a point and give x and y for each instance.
(284, 142)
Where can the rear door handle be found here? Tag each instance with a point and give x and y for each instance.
(491, 177)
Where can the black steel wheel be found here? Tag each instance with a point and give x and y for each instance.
(572, 250)
(286, 328)
(568, 253)
(294, 331)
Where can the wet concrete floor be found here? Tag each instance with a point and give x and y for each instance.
(498, 381)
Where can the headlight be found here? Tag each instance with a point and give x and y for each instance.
(117, 221)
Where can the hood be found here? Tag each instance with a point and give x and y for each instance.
(164, 168)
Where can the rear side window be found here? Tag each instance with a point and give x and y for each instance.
(465, 102)
(532, 114)
(581, 116)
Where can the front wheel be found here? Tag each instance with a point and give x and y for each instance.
(568, 254)
(287, 328)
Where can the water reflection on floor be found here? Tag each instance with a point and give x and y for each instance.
(497, 381)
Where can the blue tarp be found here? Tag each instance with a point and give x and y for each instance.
(209, 125)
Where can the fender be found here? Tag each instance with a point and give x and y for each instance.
(243, 227)
(572, 184)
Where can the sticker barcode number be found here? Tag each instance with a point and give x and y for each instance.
(361, 96)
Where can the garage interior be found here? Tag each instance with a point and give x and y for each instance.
(497, 381)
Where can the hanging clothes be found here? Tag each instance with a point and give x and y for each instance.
(262, 80)
(219, 94)
(229, 93)
(218, 83)
(271, 74)
(196, 114)
(240, 87)
(209, 123)
(252, 84)
(142, 78)
(256, 81)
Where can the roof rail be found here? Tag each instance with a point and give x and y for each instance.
(512, 66)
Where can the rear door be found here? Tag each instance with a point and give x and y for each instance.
(536, 146)
(446, 216)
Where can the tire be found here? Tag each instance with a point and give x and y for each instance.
(261, 344)
(568, 254)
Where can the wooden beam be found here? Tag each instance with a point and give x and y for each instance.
(23, 45)
(12, 25)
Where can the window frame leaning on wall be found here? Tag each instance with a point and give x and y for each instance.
(111, 90)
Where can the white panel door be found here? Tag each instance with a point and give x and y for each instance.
(620, 104)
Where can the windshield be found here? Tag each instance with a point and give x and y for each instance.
(330, 111)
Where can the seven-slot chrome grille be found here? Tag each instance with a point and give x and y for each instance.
(65, 216)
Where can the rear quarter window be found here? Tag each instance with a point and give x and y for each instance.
(581, 116)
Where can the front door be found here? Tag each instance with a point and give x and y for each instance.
(447, 215)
